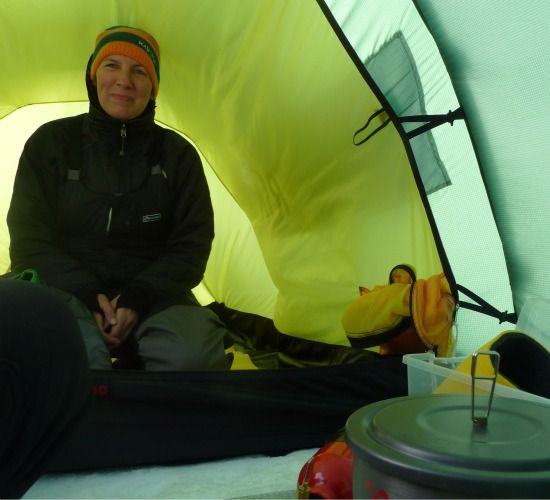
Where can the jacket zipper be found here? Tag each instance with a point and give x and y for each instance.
(122, 139)
(109, 217)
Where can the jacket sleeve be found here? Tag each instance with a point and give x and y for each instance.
(182, 264)
(32, 219)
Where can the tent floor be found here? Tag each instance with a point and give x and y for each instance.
(255, 476)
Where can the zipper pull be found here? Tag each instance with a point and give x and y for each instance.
(122, 139)
(109, 217)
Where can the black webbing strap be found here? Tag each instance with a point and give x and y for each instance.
(432, 121)
(484, 307)
(378, 129)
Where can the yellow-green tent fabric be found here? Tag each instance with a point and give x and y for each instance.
(272, 92)
(271, 99)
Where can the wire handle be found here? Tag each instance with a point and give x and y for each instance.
(481, 421)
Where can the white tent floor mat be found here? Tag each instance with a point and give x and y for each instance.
(237, 478)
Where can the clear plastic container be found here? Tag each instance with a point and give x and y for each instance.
(426, 373)
(534, 320)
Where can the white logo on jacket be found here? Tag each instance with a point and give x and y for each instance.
(151, 218)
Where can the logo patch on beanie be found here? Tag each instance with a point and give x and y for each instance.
(150, 52)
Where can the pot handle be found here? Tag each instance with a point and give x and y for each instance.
(481, 421)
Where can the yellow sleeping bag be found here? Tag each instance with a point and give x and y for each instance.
(403, 317)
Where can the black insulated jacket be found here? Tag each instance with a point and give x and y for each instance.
(101, 206)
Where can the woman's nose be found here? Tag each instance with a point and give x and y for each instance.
(124, 78)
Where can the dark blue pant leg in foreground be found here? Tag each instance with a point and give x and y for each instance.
(44, 382)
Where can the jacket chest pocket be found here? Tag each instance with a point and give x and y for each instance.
(80, 214)
(142, 216)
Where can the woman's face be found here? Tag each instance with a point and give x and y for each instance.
(401, 276)
(123, 87)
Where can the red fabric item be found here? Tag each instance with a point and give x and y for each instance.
(328, 473)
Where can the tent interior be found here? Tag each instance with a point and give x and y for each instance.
(273, 94)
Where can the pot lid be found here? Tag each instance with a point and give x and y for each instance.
(435, 438)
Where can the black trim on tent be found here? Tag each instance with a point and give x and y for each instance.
(447, 269)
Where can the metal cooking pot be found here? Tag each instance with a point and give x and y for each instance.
(438, 446)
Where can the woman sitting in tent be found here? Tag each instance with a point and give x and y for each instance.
(114, 213)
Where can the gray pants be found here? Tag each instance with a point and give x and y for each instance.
(178, 338)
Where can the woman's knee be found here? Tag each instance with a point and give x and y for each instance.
(182, 338)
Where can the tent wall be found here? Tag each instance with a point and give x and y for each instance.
(461, 210)
(496, 54)
(271, 99)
